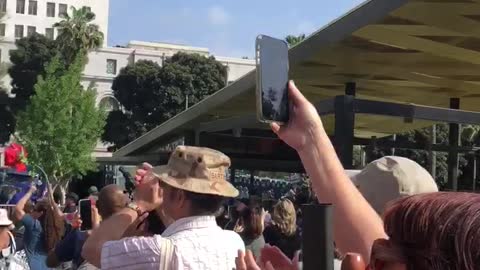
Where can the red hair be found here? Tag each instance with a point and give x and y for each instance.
(435, 231)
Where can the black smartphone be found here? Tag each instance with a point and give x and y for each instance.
(272, 79)
(85, 211)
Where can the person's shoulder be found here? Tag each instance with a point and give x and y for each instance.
(233, 238)
(131, 250)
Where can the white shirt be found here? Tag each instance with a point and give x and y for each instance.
(199, 244)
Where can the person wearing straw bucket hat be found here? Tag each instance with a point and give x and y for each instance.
(186, 193)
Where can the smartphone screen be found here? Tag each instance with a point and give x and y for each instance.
(85, 209)
(272, 79)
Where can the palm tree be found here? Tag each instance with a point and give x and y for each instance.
(77, 33)
(294, 40)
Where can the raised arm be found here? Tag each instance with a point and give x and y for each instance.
(356, 224)
(53, 204)
(19, 211)
(147, 198)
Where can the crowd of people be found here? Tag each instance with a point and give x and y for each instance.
(186, 215)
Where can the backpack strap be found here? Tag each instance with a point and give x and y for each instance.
(13, 244)
(167, 248)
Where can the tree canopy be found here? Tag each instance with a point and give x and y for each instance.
(28, 62)
(33, 53)
(293, 40)
(62, 124)
(151, 94)
(77, 33)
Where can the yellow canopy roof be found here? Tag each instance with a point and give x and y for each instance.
(409, 51)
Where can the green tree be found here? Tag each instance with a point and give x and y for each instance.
(293, 40)
(28, 62)
(34, 52)
(151, 94)
(78, 33)
(61, 125)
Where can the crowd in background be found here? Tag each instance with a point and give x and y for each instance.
(186, 215)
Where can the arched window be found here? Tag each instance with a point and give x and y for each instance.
(109, 104)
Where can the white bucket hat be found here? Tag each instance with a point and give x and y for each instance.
(390, 178)
(4, 220)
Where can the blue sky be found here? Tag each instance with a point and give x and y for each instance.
(227, 28)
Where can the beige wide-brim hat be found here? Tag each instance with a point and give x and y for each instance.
(389, 178)
(198, 170)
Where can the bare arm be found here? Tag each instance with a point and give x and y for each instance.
(109, 230)
(148, 197)
(56, 209)
(357, 225)
(19, 211)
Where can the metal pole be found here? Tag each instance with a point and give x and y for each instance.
(344, 129)
(433, 154)
(186, 102)
(474, 174)
(317, 238)
(453, 143)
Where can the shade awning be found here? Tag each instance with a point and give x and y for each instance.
(407, 51)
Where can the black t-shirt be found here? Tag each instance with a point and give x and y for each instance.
(287, 244)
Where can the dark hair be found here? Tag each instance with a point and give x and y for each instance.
(436, 231)
(204, 204)
(251, 219)
(52, 224)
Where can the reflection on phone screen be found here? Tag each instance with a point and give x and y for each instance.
(274, 79)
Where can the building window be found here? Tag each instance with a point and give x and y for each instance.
(62, 10)
(50, 9)
(21, 6)
(111, 66)
(18, 31)
(31, 30)
(49, 33)
(109, 104)
(32, 7)
(3, 6)
(2, 29)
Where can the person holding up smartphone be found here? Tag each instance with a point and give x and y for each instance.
(111, 199)
(34, 237)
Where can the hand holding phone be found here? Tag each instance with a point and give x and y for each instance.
(272, 80)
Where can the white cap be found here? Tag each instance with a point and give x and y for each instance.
(4, 220)
(390, 178)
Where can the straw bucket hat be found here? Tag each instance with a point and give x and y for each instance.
(198, 170)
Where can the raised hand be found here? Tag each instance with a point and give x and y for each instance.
(33, 188)
(141, 172)
(274, 257)
(246, 261)
(148, 194)
(303, 122)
